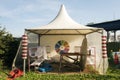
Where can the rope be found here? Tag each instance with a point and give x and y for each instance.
(13, 64)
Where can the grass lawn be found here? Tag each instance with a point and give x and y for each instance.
(3, 75)
(36, 76)
(111, 75)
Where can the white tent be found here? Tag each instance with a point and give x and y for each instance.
(63, 24)
(63, 31)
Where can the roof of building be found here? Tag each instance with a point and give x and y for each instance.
(108, 26)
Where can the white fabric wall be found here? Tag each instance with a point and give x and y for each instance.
(51, 40)
(94, 40)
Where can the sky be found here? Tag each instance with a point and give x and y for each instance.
(17, 15)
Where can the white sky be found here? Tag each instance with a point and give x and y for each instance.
(16, 15)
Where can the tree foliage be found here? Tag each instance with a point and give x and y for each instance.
(5, 38)
(8, 47)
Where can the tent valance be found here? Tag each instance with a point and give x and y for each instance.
(63, 31)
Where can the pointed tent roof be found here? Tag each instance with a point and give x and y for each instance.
(63, 24)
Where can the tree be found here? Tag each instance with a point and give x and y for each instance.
(8, 47)
(5, 39)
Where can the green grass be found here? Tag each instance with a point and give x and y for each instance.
(3, 75)
(47, 76)
(112, 74)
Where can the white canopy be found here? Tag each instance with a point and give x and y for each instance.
(63, 24)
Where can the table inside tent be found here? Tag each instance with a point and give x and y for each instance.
(68, 55)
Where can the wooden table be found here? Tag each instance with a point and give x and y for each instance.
(68, 55)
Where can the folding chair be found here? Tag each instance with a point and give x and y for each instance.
(37, 56)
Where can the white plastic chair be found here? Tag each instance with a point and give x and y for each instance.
(38, 55)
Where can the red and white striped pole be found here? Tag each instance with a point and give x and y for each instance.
(104, 52)
(24, 50)
(104, 47)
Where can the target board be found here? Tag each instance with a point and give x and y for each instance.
(62, 46)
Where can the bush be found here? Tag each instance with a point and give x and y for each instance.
(8, 47)
(10, 54)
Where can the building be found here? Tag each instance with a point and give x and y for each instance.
(112, 27)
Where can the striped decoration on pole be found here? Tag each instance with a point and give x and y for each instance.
(24, 46)
(104, 49)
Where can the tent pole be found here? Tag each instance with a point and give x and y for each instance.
(28, 62)
(38, 39)
(108, 36)
(104, 52)
(24, 63)
(28, 57)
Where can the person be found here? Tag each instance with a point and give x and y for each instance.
(116, 60)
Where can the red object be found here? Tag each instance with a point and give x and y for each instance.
(116, 60)
(14, 74)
